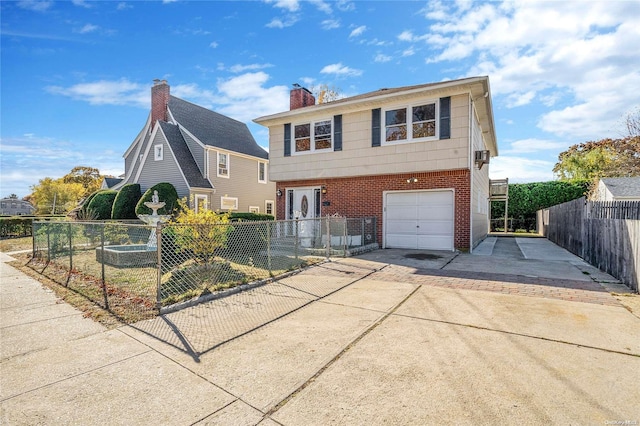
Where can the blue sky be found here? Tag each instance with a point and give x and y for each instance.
(76, 75)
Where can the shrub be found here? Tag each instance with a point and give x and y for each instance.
(18, 226)
(200, 233)
(102, 203)
(166, 193)
(249, 217)
(84, 213)
(124, 206)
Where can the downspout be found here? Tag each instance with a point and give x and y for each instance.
(470, 176)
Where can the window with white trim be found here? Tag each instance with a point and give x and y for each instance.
(223, 164)
(158, 152)
(254, 209)
(268, 207)
(409, 123)
(262, 172)
(316, 136)
(228, 203)
(201, 202)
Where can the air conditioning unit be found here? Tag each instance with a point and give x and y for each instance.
(482, 158)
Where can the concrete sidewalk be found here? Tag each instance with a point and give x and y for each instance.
(397, 337)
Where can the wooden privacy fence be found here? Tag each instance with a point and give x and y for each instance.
(605, 234)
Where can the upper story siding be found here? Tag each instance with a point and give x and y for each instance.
(166, 170)
(359, 158)
(242, 182)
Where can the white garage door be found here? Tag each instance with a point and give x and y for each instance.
(419, 220)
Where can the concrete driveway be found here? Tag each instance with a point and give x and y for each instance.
(521, 331)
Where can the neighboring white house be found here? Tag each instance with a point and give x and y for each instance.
(415, 157)
(211, 159)
(618, 189)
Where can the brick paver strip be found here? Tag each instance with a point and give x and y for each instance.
(577, 291)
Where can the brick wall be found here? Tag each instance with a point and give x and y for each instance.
(362, 196)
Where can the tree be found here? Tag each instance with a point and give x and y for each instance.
(604, 158)
(632, 122)
(325, 93)
(88, 177)
(55, 196)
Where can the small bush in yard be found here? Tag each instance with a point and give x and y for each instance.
(124, 206)
(102, 203)
(166, 193)
(200, 233)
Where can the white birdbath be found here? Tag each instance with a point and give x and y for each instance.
(153, 219)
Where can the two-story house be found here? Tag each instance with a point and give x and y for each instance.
(415, 157)
(211, 159)
(15, 207)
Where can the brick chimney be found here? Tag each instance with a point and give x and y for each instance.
(159, 100)
(300, 97)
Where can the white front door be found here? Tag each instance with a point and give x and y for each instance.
(302, 206)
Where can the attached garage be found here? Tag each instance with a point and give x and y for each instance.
(419, 219)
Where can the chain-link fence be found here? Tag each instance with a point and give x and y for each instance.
(135, 270)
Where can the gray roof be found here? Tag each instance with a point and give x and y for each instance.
(623, 186)
(111, 182)
(215, 129)
(183, 156)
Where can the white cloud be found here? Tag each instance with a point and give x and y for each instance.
(345, 5)
(517, 99)
(123, 6)
(251, 67)
(81, 3)
(289, 21)
(330, 24)
(322, 6)
(358, 31)
(104, 92)
(583, 56)
(521, 169)
(382, 58)
(409, 52)
(35, 5)
(290, 5)
(27, 159)
(534, 145)
(88, 28)
(245, 97)
(213, 44)
(340, 70)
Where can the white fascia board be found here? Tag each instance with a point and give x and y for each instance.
(140, 136)
(346, 105)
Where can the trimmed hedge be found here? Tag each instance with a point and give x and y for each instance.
(21, 226)
(124, 206)
(249, 217)
(166, 193)
(83, 213)
(102, 203)
(525, 199)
